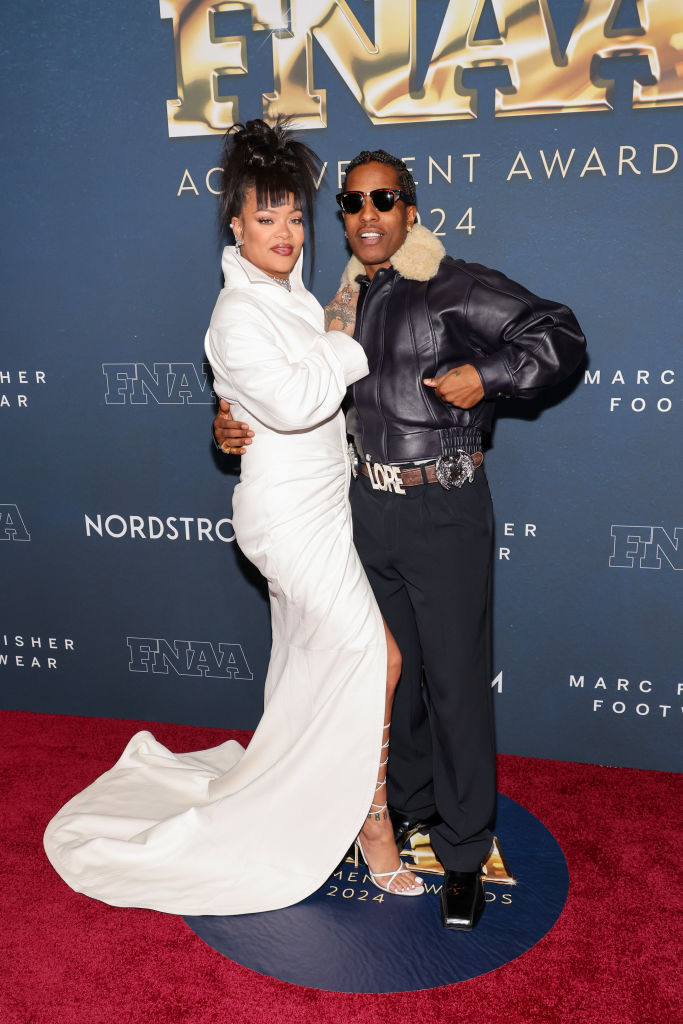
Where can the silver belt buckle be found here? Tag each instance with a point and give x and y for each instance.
(385, 478)
(454, 470)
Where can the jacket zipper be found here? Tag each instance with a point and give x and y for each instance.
(367, 455)
(360, 332)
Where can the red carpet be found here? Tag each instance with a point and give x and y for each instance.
(612, 958)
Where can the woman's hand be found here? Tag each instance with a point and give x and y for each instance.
(231, 437)
(340, 313)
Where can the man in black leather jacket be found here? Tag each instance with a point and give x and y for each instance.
(445, 339)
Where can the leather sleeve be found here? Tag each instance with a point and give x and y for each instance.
(524, 343)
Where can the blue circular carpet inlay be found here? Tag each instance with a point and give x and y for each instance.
(349, 937)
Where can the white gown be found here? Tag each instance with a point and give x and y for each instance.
(229, 831)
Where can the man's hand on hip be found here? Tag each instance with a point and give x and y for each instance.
(231, 437)
(460, 386)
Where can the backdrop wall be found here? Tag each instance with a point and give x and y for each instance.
(545, 139)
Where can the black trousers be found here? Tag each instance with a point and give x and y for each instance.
(427, 555)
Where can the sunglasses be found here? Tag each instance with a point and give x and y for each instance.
(383, 199)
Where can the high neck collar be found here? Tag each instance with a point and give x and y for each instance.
(417, 259)
(237, 271)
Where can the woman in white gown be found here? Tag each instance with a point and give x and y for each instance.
(229, 831)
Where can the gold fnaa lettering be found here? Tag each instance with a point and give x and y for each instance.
(377, 73)
(662, 43)
(380, 72)
(595, 36)
(543, 80)
(202, 57)
(444, 97)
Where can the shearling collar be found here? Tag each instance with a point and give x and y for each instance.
(418, 258)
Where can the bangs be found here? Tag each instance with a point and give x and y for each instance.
(274, 188)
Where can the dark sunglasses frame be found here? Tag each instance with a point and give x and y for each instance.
(395, 193)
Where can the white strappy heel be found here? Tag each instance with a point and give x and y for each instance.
(417, 890)
(376, 810)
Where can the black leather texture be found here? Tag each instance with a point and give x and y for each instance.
(518, 343)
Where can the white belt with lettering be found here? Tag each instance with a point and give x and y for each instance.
(385, 478)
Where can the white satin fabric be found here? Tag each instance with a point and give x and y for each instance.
(229, 831)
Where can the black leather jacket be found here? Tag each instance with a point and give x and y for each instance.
(429, 313)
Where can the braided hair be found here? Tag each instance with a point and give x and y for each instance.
(271, 161)
(380, 156)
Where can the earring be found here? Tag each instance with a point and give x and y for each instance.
(238, 244)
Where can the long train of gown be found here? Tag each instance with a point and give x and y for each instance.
(229, 831)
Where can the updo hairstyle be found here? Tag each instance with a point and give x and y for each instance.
(271, 161)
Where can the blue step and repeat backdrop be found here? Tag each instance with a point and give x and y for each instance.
(545, 138)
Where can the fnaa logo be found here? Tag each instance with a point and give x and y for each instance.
(348, 902)
(12, 526)
(378, 64)
(646, 547)
(196, 658)
(164, 383)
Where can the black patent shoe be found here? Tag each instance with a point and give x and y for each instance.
(405, 827)
(462, 899)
